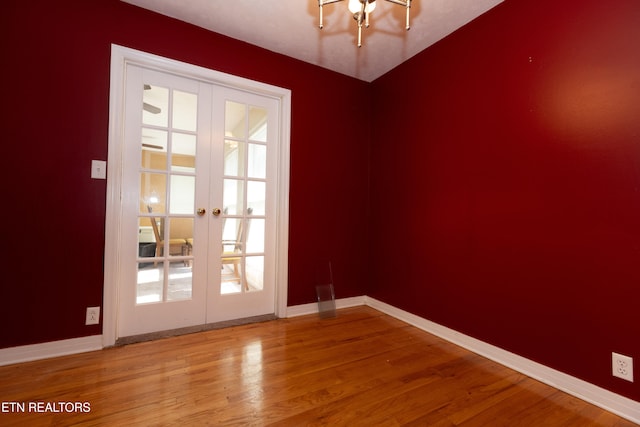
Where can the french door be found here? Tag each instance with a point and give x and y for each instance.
(198, 226)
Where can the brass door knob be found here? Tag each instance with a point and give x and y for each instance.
(201, 211)
(216, 211)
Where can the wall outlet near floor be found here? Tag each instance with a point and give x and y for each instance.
(93, 316)
(622, 366)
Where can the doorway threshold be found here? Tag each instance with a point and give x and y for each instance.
(152, 336)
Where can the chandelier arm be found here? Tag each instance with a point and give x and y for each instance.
(407, 26)
(323, 3)
(366, 14)
(362, 17)
(363, 14)
(407, 4)
(359, 17)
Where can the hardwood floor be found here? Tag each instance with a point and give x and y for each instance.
(361, 368)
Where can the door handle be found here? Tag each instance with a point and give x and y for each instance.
(201, 211)
(216, 211)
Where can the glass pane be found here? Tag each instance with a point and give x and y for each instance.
(254, 273)
(232, 236)
(183, 152)
(182, 194)
(152, 192)
(257, 161)
(258, 124)
(185, 110)
(154, 149)
(234, 120)
(255, 236)
(233, 196)
(146, 237)
(155, 105)
(150, 283)
(180, 281)
(231, 275)
(177, 247)
(256, 196)
(190, 251)
(180, 229)
(233, 158)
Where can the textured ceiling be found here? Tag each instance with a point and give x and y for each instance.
(290, 27)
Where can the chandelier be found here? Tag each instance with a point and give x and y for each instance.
(361, 10)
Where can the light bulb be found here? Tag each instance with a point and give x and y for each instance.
(370, 7)
(355, 6)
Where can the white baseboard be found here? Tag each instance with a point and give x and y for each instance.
(27, 353)
(303, 309)
(612, 402)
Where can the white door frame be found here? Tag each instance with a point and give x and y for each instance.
(120, 58)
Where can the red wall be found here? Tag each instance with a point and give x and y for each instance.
(508, 185)
(55, 68)
(504, 191)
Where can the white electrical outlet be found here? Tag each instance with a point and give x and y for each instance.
(622, 366)
(93, 316)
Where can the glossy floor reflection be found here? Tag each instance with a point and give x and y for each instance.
(360, 368)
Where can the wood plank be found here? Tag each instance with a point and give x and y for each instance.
(359, 368)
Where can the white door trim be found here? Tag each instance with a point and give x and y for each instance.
(120, 57)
